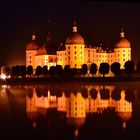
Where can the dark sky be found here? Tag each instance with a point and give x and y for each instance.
(98, 22)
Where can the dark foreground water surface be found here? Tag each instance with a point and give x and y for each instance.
(70, 111)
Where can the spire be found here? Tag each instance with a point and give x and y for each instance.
(74, 27)
(33, 36)
(122, 33)
(49, 35)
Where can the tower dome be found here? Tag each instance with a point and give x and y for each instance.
(122, 42)
(75, 37)
(32, 45)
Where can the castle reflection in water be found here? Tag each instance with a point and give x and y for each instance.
(77, 102)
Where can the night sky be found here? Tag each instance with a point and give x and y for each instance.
(98, 22)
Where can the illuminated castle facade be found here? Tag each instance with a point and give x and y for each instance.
(75, 52)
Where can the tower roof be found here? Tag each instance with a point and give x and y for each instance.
(75, 37)
(122, 42)
(32, 45)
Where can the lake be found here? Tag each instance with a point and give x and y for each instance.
(70, 111)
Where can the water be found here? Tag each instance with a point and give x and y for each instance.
(70, 111)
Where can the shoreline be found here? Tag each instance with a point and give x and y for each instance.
(90, 80)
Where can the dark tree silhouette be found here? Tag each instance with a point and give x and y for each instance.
(84, 92)
(66, 71)
(13, 71)
(52, 71)
(18, 72)
(23, 71)
(138, 67)
(84, 69)
(30, 70)
(45, 70)
(93, 69)
(129, 95)
(38, 71)
(104, 93)
(93, 93)
(59, 70)
(73, 72)
(104, 68)
(129, 68)
(115, 68)
(116, 93)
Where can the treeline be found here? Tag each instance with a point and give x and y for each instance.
(57, 71)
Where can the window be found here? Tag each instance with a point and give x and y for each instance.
(123, 55)
(123, 50)
(118, 55)
(69, 52)
(81, 57)
(75, 47)
(124, 59)
(75, 52)
(75, 65)
(81, 52)
(75, 57)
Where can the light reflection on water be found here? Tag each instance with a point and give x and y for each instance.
(70, 111)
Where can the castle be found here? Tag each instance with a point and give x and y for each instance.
(75, 52)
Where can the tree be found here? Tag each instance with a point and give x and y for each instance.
(23, 71)
(13, 71)
(58, 70)
(93, 93)
(104, 93)
(38, 71)
(104, 68)
(45, 70)
(129, 68)
(93, 69)
(66, 71)
(115, 68)
(138, 67)
(84, 69)
(30, 70)
(52, 71)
